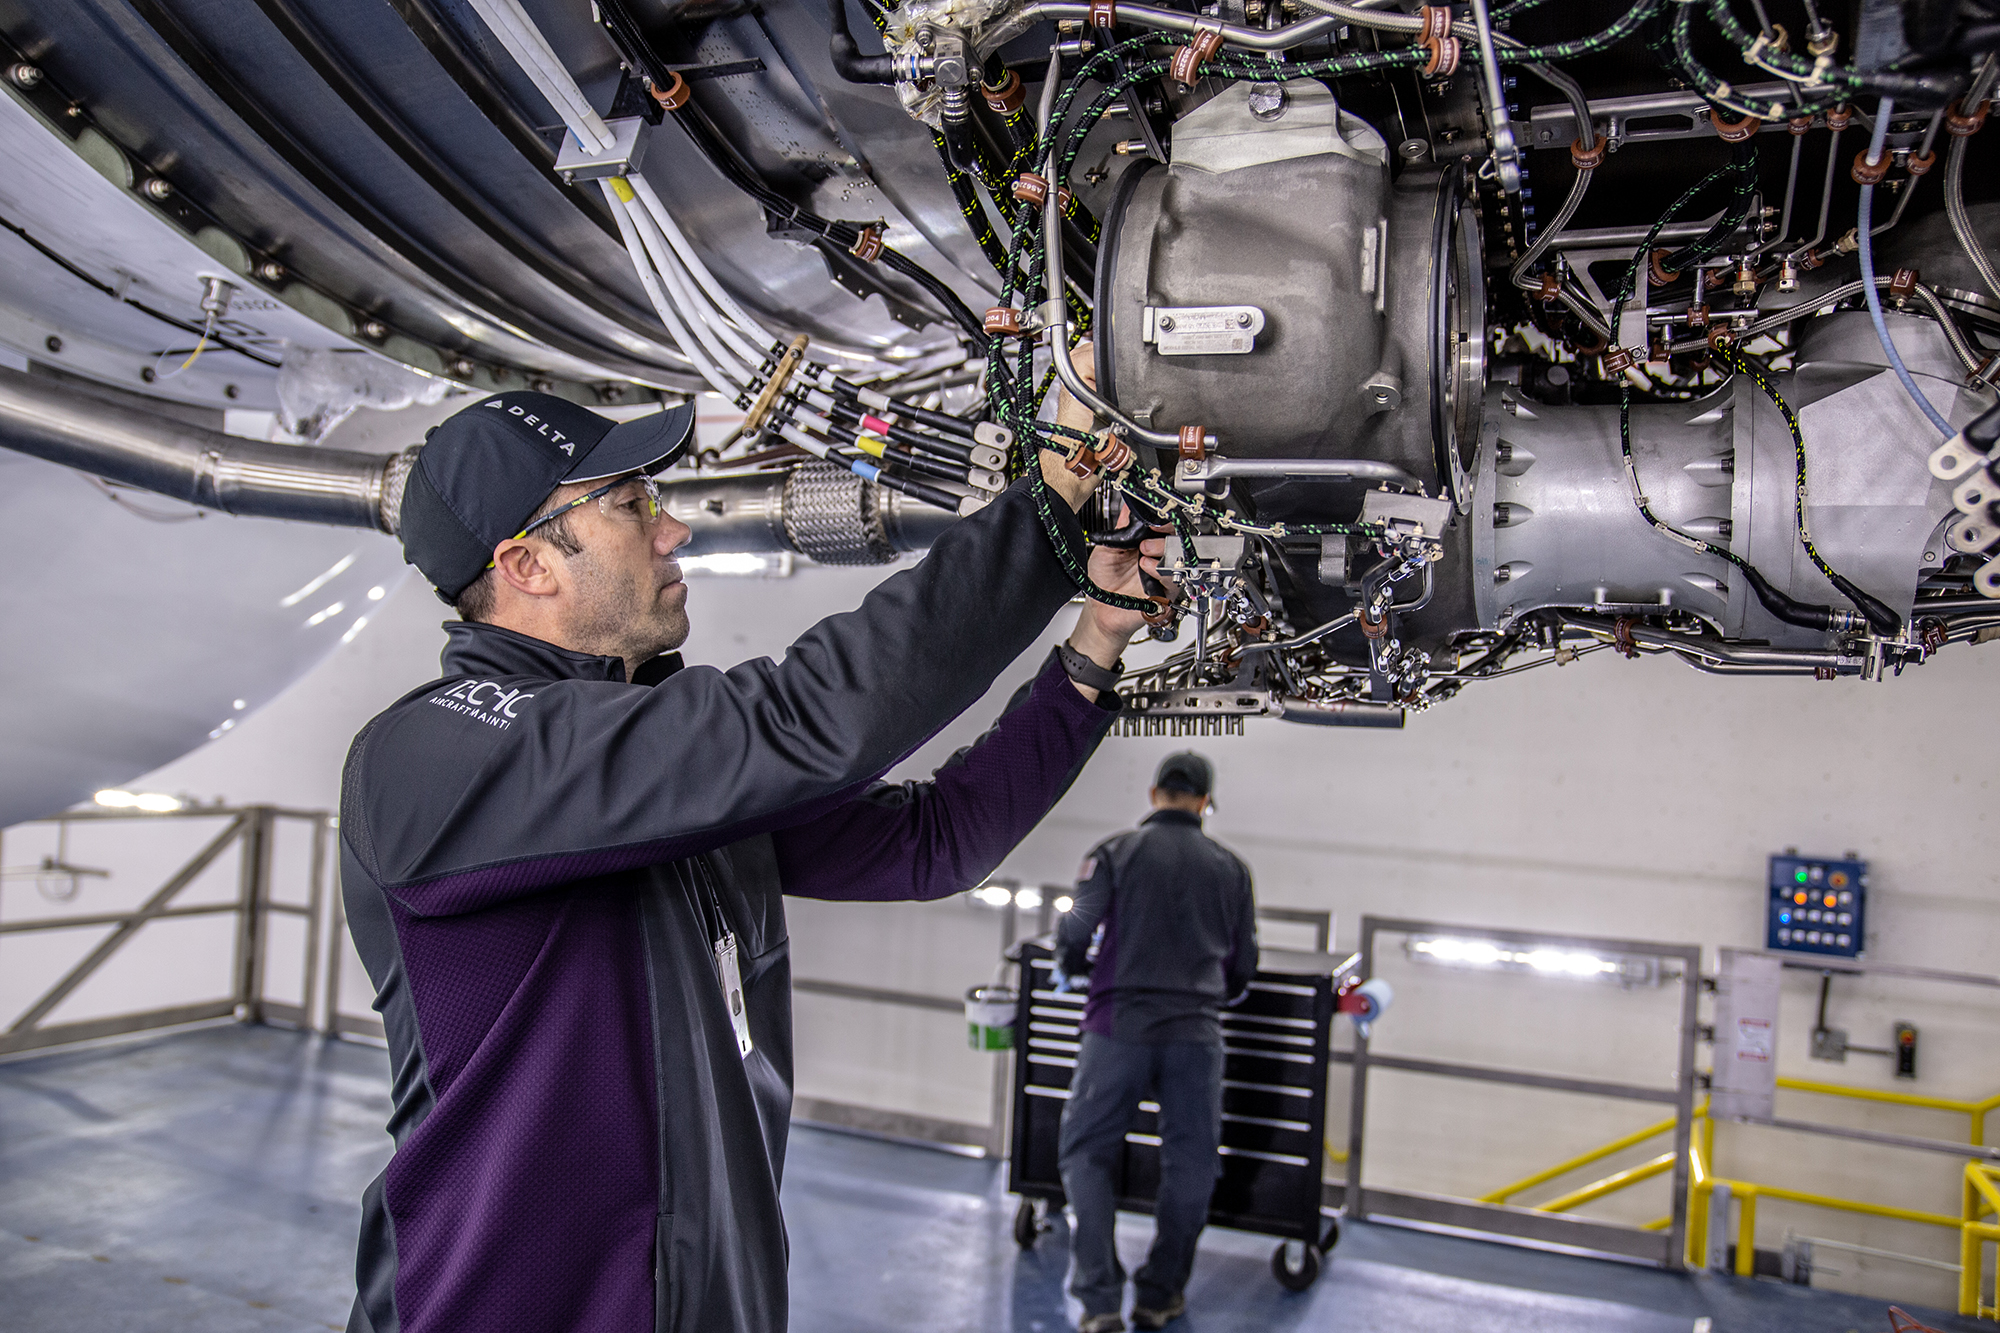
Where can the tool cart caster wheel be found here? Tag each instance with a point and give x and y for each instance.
(1295, 1264)
(1028, 1224)
(1331, 1236)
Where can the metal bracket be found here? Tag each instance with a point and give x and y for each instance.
(629, 137)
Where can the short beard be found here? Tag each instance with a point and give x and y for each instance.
(616, 617)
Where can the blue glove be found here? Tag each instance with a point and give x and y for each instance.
(1062, 983)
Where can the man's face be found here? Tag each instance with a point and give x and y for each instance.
(623, 592)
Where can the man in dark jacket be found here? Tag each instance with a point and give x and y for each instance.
(1174, 925)
(562, 864)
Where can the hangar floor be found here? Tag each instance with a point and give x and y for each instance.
(209, 1180)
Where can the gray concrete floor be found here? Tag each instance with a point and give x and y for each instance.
(210, 1180)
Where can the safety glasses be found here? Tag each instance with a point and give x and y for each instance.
(644, 507)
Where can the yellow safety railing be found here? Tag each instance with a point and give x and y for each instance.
(1982, 1196)
(1978, 1222)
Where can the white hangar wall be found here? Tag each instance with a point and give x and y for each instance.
(1614, 798)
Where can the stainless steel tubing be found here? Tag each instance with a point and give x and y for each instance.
(1341, 713)
(1167, 20)
(1058, 330)
(250, 478)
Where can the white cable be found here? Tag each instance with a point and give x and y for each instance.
(687, 302)
(690, 346)
(531, 51)
(687, 295)
(724, 302)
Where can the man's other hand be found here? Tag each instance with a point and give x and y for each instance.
(1118, 571)
(1069, 412)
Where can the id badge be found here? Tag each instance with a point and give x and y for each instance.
(731, 977)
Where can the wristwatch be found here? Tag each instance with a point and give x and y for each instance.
(1086, 672)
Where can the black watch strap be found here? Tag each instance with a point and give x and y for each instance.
(1086, 672)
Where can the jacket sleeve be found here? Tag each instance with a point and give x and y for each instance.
(1241, 965)
(1090, 904)
(594, 777)
(925, 840)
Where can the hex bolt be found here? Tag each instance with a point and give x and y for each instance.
(375, 330)
(1243, 319)
(1166, 323)
(270, 270)
(159, 187)
(231, 391)
(53, 343)
(25, 75)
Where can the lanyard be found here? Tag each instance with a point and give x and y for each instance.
(728, 970)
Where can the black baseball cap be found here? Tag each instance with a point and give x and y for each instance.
(484, 471)
(1185, 772)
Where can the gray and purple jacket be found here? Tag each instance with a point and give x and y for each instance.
(1179, 932)
(579, 1145)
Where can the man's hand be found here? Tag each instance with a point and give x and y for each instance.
(1069, 412)
(1102, 632)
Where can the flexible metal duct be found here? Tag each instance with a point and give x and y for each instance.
(201, 467)
(823, 512)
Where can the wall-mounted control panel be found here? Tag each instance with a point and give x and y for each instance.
(1817, 905)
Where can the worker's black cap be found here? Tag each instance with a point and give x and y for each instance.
(484, 471)
(1185, 772)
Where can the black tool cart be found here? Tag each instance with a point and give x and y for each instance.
(1275, 1047)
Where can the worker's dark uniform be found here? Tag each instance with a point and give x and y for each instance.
(528, 852)
(1178, 943)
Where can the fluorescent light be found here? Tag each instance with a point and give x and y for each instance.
(1028, 898)
(740, 564)
(377, 593)
(339, 568)
(320, 617)
(151, 802)
(359, 623)
(994, 895)
(1538, 960)
(1064, 903)
(239, 705)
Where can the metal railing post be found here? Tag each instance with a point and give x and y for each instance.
(1677, 1194)
(1746, 1231)
(315, 903)
(252, 894)
(1357, 1093)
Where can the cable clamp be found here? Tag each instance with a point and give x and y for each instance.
(1193, 443)
(1444, 53)
(1002, 321)
(1103, 14)
(1587, 159)
(672, 97)
(1734, 131)
(1960, 124)
(1920, 164)
(1007, 96)
(1033, 190)
(1871, 173)
(1188, 60)
(868, 246)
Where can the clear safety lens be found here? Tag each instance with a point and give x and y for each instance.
(622, 503)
